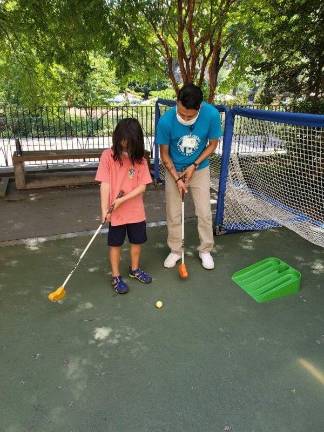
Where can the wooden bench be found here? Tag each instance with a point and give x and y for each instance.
(35, 180)
(52, 179)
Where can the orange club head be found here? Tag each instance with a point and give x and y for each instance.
(183, 273)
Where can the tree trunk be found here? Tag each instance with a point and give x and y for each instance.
(213, 72)
(171, 76)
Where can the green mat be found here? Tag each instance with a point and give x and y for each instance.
(268, 279)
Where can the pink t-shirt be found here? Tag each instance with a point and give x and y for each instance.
(125, 177)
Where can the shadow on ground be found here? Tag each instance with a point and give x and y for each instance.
(211, 360)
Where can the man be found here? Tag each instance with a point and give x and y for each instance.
(188, 134)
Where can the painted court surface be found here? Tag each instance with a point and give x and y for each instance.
(211, 360)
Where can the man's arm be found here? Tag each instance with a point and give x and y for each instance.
(167, 162)
(212, 145)
(210, 148)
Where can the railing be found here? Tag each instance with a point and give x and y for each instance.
(58, 128)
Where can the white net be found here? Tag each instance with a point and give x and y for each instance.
(276, 178)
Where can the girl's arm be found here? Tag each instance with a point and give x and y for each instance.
(104, 199)
(132, 194)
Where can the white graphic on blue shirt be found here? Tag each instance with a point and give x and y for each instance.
(188, 144)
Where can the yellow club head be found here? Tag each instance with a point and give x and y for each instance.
(57, 295)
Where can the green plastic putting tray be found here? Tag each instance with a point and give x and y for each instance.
(268, 279)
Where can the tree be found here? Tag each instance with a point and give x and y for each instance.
(185, 39)
(292, 57)
(47, 51)
(193, 36)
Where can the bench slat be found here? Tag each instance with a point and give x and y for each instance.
(45, 155)
(40, 155)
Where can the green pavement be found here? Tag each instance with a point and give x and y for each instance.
(212, 359)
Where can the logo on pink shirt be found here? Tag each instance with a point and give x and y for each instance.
(131, 172)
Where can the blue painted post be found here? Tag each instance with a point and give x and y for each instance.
(156, 147)
(227, 145)
(169, 103)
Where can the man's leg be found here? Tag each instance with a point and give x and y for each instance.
(200, 190)
(173, 214)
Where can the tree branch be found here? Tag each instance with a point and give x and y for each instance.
(182, 57)
(168, 54)
(193, 51)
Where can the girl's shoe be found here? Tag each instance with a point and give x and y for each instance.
(140, 275)
(119, 285)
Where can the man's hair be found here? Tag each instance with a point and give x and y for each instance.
(129, 130)
(190, 96)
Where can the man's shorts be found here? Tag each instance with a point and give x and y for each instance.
(136, 233)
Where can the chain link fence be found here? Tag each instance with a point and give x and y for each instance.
(59, 128)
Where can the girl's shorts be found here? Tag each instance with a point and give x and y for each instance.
(136, 233)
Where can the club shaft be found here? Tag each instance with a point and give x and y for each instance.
(83, 253)
(182, 230)
(120, 194)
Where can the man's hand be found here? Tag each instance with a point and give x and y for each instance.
(188, 172)
(182, 187)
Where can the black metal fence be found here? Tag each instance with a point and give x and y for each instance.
(56, 128)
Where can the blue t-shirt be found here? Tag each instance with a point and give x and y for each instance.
(186, 143)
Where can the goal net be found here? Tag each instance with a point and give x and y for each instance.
(272, 173)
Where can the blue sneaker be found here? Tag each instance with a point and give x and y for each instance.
(119, 285)
(140, 275)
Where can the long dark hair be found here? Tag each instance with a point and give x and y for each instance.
(129, 130)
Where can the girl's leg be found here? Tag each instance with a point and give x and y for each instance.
(137, 236)
(134, 269)
(114, 253)
(135, 253)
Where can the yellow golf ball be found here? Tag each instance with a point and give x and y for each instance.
(159, 304)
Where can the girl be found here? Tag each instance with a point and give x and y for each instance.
(124, 168)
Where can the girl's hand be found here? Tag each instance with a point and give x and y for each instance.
(105, 217)
(117, 203)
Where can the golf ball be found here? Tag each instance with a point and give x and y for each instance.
(158, 304)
